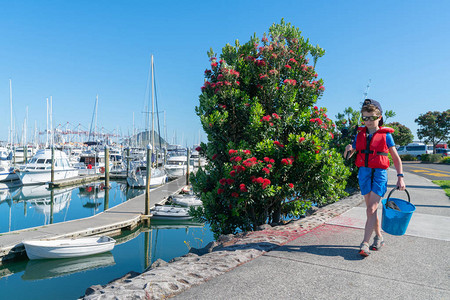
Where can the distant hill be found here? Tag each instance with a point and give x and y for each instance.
(142, 139)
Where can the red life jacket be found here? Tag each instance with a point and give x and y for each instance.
(372, 153)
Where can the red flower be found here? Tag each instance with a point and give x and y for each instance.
(248, 152)
(292, 61)
(214, 64)
(269, 166)
(214, 157)
(263, 76)
(316, 108)
(222, 181)
(198, 148)
(276, 116)
(287, 66)
(237, 158)
(233, 173)
(278, 144)
(243, 188)
(301, 139)
(271, 124)
(266, 159)
(266, 170)
(332, 135)
(234, 195)
(291, 185)
(284, 161)
(260, 180)
(220, 191)
(272, 160)
(230, 181)
(231, 151)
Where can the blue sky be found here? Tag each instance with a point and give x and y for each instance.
(74, 50)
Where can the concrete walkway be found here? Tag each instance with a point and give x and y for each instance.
(126, 215)
(324, 263)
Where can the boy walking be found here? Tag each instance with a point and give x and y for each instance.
(372, 144)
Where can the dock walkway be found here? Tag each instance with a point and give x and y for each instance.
(123, 216)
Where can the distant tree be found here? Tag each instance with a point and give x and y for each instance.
(434, 127)
(402, 134)
(388, 114)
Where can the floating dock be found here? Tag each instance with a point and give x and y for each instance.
(125, 216)
(82, 179)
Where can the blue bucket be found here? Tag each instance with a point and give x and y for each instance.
(396, 222)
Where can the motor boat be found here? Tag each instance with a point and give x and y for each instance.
(176, 166)
(92, 162)
(7, 172)
(38, 169)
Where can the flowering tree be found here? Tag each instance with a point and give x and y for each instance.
(268, 145)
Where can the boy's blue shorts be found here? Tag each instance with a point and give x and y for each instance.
(374, 180)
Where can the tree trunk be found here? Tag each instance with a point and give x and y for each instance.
(276, 215)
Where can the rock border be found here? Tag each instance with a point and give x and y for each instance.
(163, 280)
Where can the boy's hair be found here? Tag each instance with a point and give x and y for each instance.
(371, 105)
(371, 108)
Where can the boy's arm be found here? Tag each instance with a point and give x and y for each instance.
(398, 166)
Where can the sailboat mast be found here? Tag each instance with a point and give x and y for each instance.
(153, 111)
(46, 143)
(11, 114)
(51, 121)
(96, 108)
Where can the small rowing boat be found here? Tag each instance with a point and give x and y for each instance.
(65, 248)
(170, 213)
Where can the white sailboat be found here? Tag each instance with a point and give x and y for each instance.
(137, 177)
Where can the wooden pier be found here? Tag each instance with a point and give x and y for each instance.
(125, 216)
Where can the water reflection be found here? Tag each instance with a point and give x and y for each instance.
(36, 205)
(46, 201)
(51, 268)
(135, 250)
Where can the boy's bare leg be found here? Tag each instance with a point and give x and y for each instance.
(372, 223)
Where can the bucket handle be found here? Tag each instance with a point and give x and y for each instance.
(390, 193)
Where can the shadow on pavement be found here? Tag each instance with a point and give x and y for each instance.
(346, 252)
(418, 187)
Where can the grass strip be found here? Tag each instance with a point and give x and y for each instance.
(445, 184)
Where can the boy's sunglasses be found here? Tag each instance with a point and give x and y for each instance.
(371, 118)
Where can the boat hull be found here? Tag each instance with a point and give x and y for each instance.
(170, 213)
(68, 248)
(43, 176)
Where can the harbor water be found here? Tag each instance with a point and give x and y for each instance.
(135, 250)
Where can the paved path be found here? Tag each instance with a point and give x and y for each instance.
(324, 263)
(125, 215)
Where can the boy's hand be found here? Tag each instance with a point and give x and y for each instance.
(401, 184)
(348, 151)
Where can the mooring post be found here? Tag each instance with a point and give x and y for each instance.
(147, 184)
(165, 156)
(128, 161)
(188, 163)
(25, 154)
(106, 167)
(52, 179)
